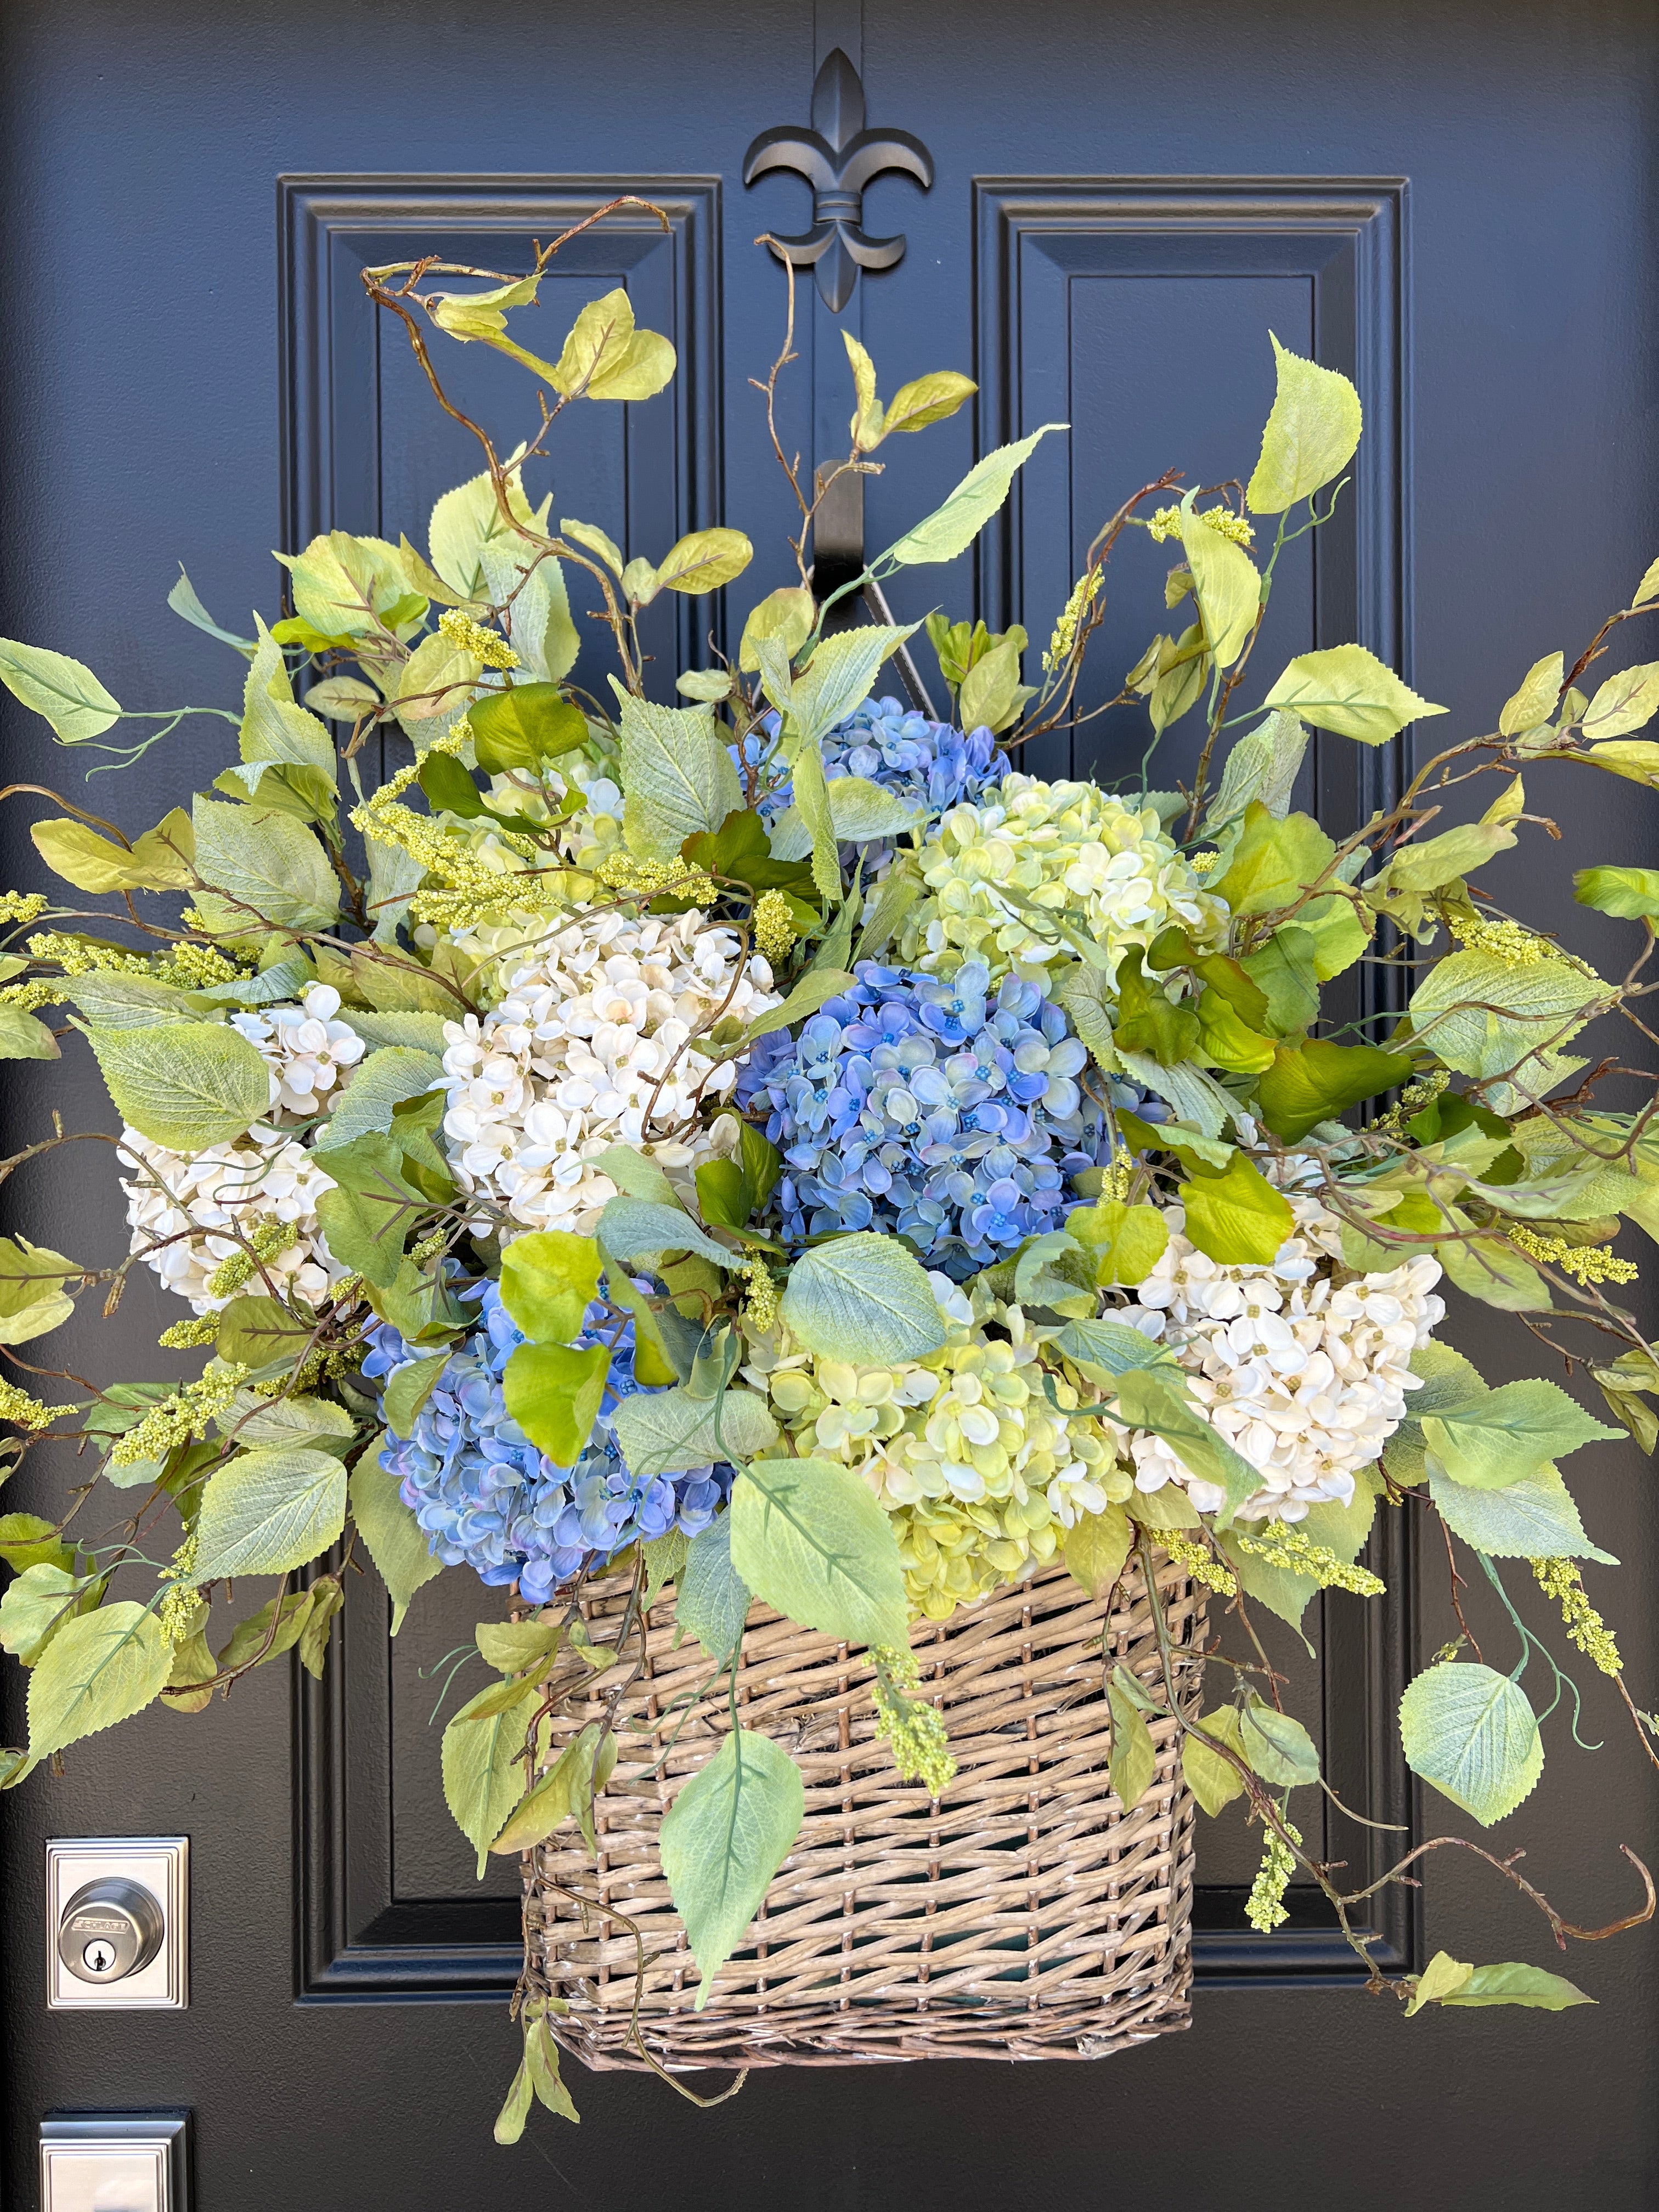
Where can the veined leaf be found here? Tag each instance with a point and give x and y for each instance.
(667, 1432)
(810, 1538)
(677, 773)
(96, 1671)
(65, 691)
(724, 1838)
(269, 1511)
(1497, 1440)
(554, 1392)
(712, 1600)
(1311, 433)
(1135, 1757)
(549, 1279)
(1472, 1733)
(1533, 1518)
(1096, 1549)
(1349, 690)
(482, 1779)
(1227, 584)
(188, 1085)
(399, 1546)
(1236, 1216)
(952, 528)
(863, 1298)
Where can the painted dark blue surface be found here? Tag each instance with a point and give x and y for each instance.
(144, 379)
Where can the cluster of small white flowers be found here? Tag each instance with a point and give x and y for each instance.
(1306, 1380)
(1002, 875)
(180, 1207)
(592, 1044)
(309, 1052)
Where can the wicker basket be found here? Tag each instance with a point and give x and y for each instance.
(1026, 1916)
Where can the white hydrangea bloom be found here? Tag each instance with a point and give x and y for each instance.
(993, 869)
(592, 1044)
(180, 1207)
(310, 1054)
(1306, 1380)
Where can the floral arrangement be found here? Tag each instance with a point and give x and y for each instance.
(778, 1123)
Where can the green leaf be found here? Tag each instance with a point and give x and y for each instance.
(1349, 690)
(926, 400)
(23, 1037)
(1534, 701)
(641, 1228)
(513, 1647)
(1263, 765)
(1312, 1080)
(1277, 1745)
(1630, 894)
(1636, 758)
(1471, 1733)
(867, 415)
(299, 1421)
(1510, 1432)
(1483, 1016)
(268, 1513)
(568, 1787)
(187, 1085)
(483, 1776)
(468, 522)
(1135, 1757)
(269, 866)
(594, 540)
(1310, 437)
(705, 561)
(158, 861)
(184, 603)
(256, 1330)
(952, 528)
(1236, 1216)
(1535, 1518)
(523, 726)
(863, 1298)
(712, 1600)
(343, 585)
(36, 1605)
(368, 1214)
(679, 776)
(67, 693)
(276, 732)
(1227, 583)
(725, 1837)
(399, 1546)
(1273, 861)
(813, 802)
(1111, 1348)
(267, 1635)
(665, 1562)
(667, 1432)
(1437, 1980)
(1128, 1241)
(786, 617)
(96, 1671)
(383, 1081)
(1625, 702)
(812, 1539)
(1097, 1546)
(836, 679)
(510, 2120)
(808, 995)
(32, 1299)
(554, 1392)
(1154, 1398)
(604, 357)
(549, 1279)
(27, 1541)
(1515, 1984)
(1214, 1781)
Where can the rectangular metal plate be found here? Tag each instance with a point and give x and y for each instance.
(115, 2162)
(161, 1865)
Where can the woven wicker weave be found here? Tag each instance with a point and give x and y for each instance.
(1025, 1917)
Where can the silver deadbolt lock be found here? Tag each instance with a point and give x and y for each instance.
(110, 1929)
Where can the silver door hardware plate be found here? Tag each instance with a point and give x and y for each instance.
(115, 2162)
(117, 1922)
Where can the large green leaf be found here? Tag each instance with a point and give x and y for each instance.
(604, 356)
(553, 1392)
(1535, 1518)
(65, 691)
(270, 1511)
(1510, 1433)
(837, 679)
(863, 1298)
(35, 1604)
(32, 1299)
(639, 1228)
(810, 1538)
(1483, 1016)
(384, 1080)
(711, 1599)
(1274, 861)
(368, 1216)
(1349, 690)
(1154, 1398)
(277, 732)
(1472, 1733)
(398, 1544)
(1311, 433)
(269, 866)
(343, 586)
(667, 1432)
(569, 1786)
(483, 1776)
(1513, 1983)
(1630, 894)
(1127, 1242)
(1134, 1756)
(548, 1281)
(157, 861)
(524, 726)
(187, 1085)
(96, 1671)
(725, 1837)
(812, 806)
(679, 776)
(1312, 1080)
(952, 528)
(1236, 1216)
(468, 522)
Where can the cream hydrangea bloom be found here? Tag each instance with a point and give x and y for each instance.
(981, 1474)
(996, 870)
(592, 1044)
(1305, 1375)
(309, 1052)
(183, 1207)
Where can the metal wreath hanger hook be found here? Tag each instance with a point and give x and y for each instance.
(838, 157)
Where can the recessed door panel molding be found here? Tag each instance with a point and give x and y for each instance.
(363, 450)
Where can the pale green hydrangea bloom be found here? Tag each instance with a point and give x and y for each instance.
(1018, 877)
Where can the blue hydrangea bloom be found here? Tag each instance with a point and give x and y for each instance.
(928, 763)
(488, 1498)
(937, 1109)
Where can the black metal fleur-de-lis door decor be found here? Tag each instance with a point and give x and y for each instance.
(838, 157)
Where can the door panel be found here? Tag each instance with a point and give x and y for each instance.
(1447, 201)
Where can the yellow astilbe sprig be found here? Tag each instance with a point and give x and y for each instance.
(177, 1614)
(1512, 943)
(1194, 1556)
(912, 1729)
(1561, 1580)
(1421, 1092)
(186, 1335)
(773, 927)
(1084, 593)
(267, 1240)
(624, 872)
(1284, 1544)
(187, 1414)
(1265, 1907)
(23, 1412)
(1585, 1263)
(761, 1308)
(472, 637)
(1166, 523)
(22, 906)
